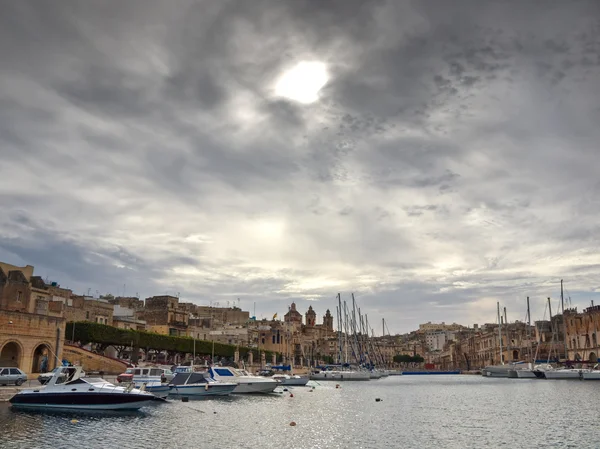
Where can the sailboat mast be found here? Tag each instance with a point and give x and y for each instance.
(528, 328)
(500, 333)
(551, 326)
(595, 334)
(339, 314)
(564, 319)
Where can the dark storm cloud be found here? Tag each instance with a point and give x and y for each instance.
(450, 162)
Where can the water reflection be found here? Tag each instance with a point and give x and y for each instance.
(441, 412)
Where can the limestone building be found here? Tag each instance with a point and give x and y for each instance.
(31, 332)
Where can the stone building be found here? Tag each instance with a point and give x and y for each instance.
(128, 302)
(582, 334)
(31, 334)
(87, 308)
(126, 318)
(164, 316)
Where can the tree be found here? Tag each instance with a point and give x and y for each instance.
(406, 358)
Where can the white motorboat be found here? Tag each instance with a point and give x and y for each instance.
(69, 390)
(246, 383)
(153, 380)
(564, 373)
(331, 373)
(593, 374)
(292, 380)
(199, 385)
(375, 374)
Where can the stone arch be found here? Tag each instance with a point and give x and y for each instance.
(41, 357)
(593, 357)
(11, 354)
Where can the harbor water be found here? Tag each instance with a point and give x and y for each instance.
(413, 412)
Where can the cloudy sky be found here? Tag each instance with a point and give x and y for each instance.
(433, 157)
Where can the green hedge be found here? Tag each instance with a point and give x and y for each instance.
(86, 332)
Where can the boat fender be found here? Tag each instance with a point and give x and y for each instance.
(74, 421)
(377, 399)
(293, 423)
(206, 387)
(285, 389)
(185, 399)
(291, 395)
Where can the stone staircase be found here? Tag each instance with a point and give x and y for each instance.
(92, 362)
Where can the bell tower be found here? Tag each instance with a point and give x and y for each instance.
(311, 317)
(328, 321)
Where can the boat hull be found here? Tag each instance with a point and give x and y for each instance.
(558, 374)
(525, 374)
(202, 390)
(295, 382)
(342, 376)
(81, 401)
(255, 387)
(592, 375)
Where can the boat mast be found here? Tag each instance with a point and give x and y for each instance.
(354, 331)
(595, 334)
(528, 328)
(551, 328)
(500, 333)
(507, 333)
(564, 320)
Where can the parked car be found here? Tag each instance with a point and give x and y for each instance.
(44, 378)
(12, 376)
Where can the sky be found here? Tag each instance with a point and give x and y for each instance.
(432, 157)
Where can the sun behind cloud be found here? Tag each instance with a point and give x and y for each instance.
(302, 82)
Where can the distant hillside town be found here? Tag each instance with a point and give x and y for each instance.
(34, 313)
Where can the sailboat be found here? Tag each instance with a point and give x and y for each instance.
(342, 371)
(527, 372)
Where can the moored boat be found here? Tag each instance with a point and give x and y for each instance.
(290, 380)
(330, 373)
(67, 389)
(246, 383)
(199, 385)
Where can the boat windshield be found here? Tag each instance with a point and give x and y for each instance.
(188, 378)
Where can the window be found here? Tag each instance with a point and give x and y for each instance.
(3, 372)
(87, 315)
(14, 371)
(19, 296)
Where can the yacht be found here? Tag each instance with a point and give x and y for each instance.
(246, 383)
(198, 385)
(153, 380)
(293, 380)
(564, 373)
(339, 374)
(67, 389)
(592, 374)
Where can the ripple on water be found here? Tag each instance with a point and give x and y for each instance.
(419, 411)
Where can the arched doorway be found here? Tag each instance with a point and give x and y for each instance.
(515, 354)
(10, 355)
(41, 359)
(593, 357)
